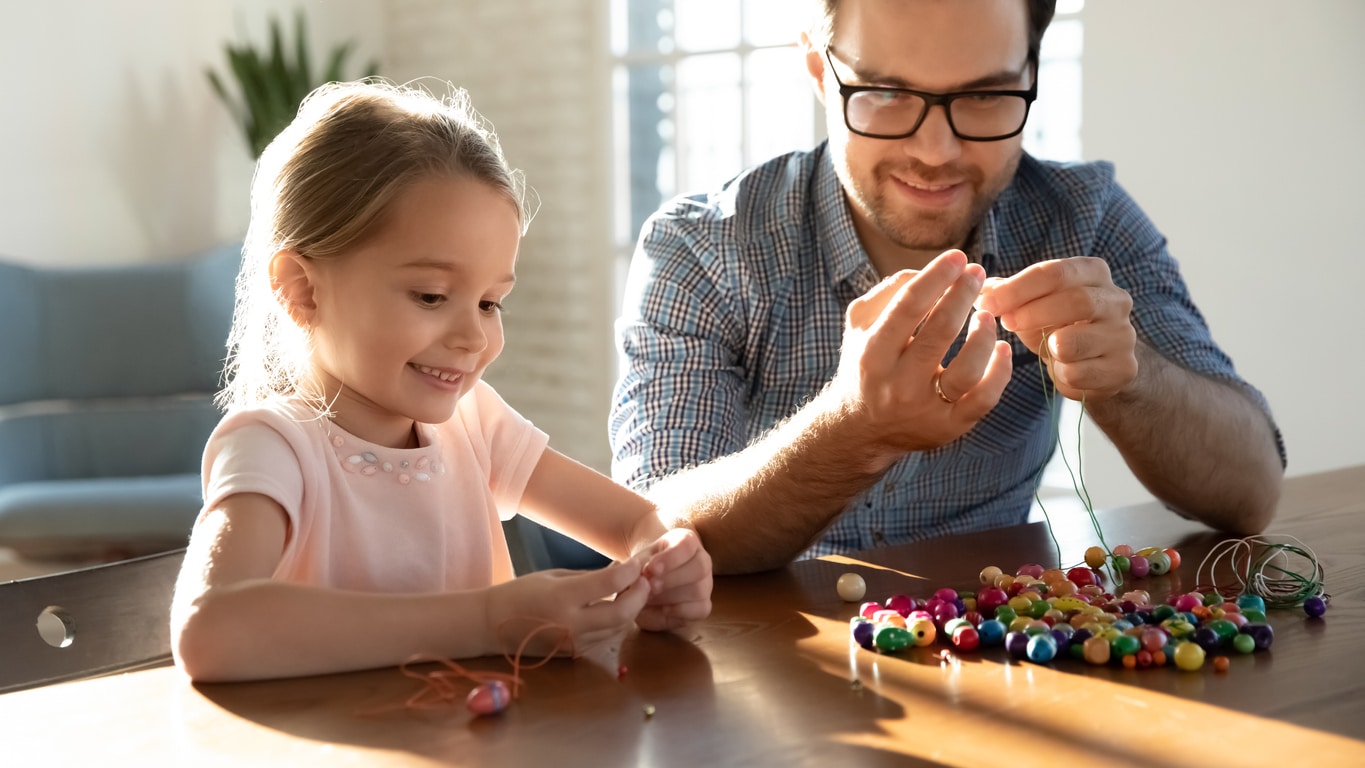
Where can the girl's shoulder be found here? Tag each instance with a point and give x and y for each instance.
(293, 419)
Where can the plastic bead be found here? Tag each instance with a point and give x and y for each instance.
(891, 638)
(489, 698)
(1016, 644)
(922, 632)
(1262, 634)
(1251, 602)
(867, 609)
(1189, 656)
(1139, 566)
(1315, 607)
(1123, 550)
(966, 638)
(1174, 558)
(1042, 648)
(1158, 563)
(1094, 557)
(851, 587)
(1244, 643)
(991, 632)
(1220, 664)
(902, 604)
(990, 573)
(863, 631)
(1096, 651)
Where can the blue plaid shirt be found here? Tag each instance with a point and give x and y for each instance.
(734, 313)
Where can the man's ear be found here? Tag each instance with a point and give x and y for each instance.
(815, 66)
(291, 280)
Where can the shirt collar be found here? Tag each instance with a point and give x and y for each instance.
(836, 238)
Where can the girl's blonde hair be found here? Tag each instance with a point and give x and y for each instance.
(323, 185)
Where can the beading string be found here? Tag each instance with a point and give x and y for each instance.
(1077, 476)
(1267, 573)
(443, 687)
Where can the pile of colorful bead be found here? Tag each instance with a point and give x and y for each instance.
(1039, 615)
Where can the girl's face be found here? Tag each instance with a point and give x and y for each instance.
(407, 320)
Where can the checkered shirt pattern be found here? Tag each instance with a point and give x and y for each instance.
(734, 311)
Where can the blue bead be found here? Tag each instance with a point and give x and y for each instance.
(992, 632)
(1042, 648)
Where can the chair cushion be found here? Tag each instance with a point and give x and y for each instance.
(110, 509)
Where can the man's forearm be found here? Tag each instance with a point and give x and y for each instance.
(1197, 444)
(760, 508)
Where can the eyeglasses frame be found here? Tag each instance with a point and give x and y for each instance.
(931, 100)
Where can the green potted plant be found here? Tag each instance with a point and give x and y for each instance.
(273, 83)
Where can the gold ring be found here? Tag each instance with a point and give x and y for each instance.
(938, 389)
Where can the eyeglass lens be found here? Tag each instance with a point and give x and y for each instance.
(896, 113)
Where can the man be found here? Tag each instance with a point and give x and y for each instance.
(799, 376)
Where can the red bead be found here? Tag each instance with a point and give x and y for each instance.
(488, 699)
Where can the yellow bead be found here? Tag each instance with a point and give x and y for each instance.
(1094, 557)
(1189, 656)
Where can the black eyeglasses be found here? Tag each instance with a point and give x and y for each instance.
(882, 112)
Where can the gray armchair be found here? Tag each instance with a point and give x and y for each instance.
(107, 378)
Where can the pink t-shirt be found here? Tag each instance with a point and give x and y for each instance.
(376, 519)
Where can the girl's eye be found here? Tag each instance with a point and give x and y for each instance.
(429, 299)
(489, 307)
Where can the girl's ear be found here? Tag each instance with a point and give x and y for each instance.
(291, 280)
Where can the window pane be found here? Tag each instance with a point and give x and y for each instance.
(644, 158)
(706, 25)
(708, 120)
(781, 104)
(773, 22)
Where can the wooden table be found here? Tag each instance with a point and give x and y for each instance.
(768, 681)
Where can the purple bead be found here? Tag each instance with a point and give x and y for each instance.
(1315, 607)
(863, 632)
(1081, 635)
(1062, 638)
(1207, 639)
(1263, 634)
(1138, 566)
(1016, 644)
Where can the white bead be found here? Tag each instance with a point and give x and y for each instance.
(851, 587)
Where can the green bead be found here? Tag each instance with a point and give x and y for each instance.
(1121, 563)
(1005, 614)
(1213, 600)
(892, 638)
(1038, 608)
(1244, 643)
(1163, 612)
(1254, 615)
(1158, 563)
(1124, 645)
(1226, 630)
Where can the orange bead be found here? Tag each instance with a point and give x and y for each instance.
(1175, 558)
(1130, 661)
(1201, 612)
(1158, 658)
(1220, 664)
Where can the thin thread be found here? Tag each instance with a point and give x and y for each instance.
(443, 687)
(1077, 476)
(1287, 588)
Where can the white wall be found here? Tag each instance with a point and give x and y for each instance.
(113, 148)
(1236, 125)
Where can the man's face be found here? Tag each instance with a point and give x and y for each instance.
(926, 192)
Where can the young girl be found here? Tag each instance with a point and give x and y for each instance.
(354, 492)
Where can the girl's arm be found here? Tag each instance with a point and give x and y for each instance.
(231, 621)
(590, 507)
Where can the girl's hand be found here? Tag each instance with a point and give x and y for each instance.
(578, 606)
(679, 574)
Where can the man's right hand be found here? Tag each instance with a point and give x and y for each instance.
(891, 379)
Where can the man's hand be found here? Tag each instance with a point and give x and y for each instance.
(1072, 306)
(895, 338)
